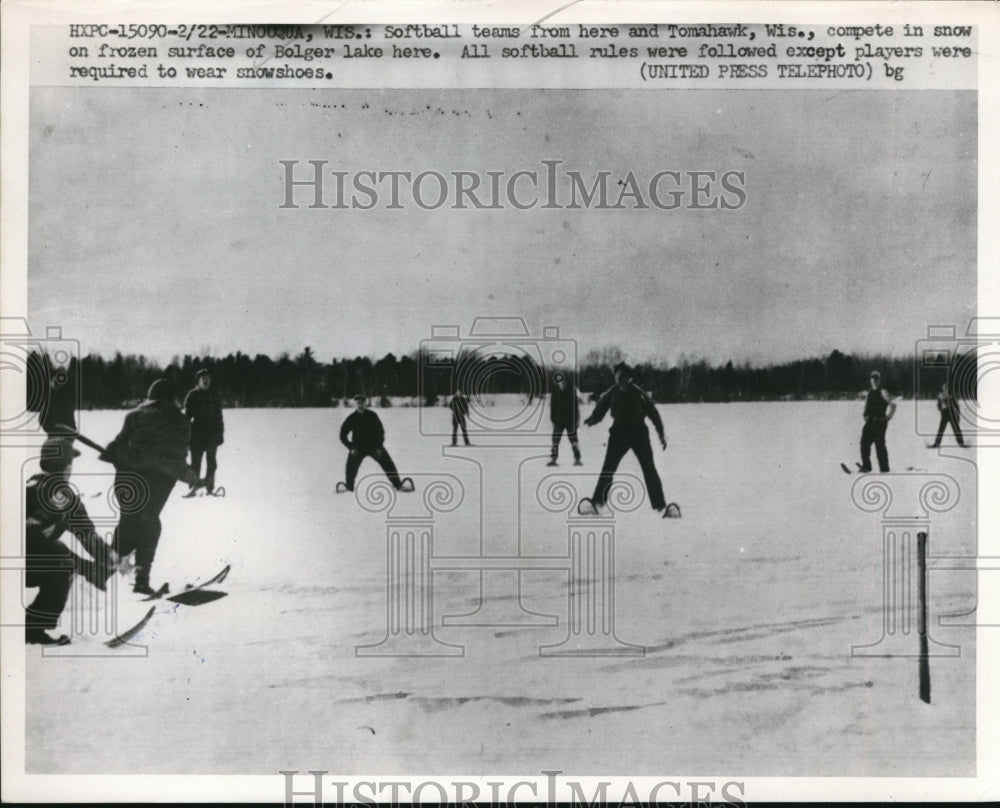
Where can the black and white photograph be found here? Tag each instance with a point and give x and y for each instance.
(499, 404)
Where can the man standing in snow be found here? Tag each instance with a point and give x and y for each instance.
(630, 406)
(564, 411)
(203, 408)
(364, 436)
(879, 409)
(459, 406)
(149, 455)
(947, 405)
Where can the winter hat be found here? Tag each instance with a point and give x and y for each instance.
(57, 452)
(621, 367)
(160, 390)
(202, 372)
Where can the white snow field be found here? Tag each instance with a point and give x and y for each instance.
(748, 608)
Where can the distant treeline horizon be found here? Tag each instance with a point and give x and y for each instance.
(304, 381)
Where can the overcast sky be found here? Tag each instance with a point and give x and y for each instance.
(155, 225)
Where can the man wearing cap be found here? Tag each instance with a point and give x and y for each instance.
(629, 406)
(53, 507)
(364, 436)
(149, 455)
(879, 409)
(203, 408)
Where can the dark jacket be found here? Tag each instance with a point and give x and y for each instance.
(204, 410)
(365, 430)
(51, 507)
(60, 409)
(154, 438)
(564, 407)
(876, 405)
(459, 406)
(52, 392)
(946, 402)
(629, 409)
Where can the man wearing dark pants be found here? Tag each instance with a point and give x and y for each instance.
(149, 455)
(564, 412)
(630, 407)
(52, 508)
(879, 409)
(459, 406)
(947, 405)
(203, 409)
(49, 566)
(364, 436)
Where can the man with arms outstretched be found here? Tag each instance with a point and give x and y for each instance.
(629, 406)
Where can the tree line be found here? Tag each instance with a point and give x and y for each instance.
(305, 381)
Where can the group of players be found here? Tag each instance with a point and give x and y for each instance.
(149, 455)
(880, 406)
(364, 436)
(151, 450)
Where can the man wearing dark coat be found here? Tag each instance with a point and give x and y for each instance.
(564, 411)
(149, 455)
(947, 405)
(364, 436)
(203, 408)
(53, 508)
(629, 406)
(459, 406)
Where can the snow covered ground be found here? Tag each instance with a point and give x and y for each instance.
(748, 608)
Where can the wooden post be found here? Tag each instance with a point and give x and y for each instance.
(925, 668)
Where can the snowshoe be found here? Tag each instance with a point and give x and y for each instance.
(217, 579)
(672, 511)
(194, 489)
(847, 470)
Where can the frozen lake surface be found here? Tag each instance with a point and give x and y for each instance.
(748, 608)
